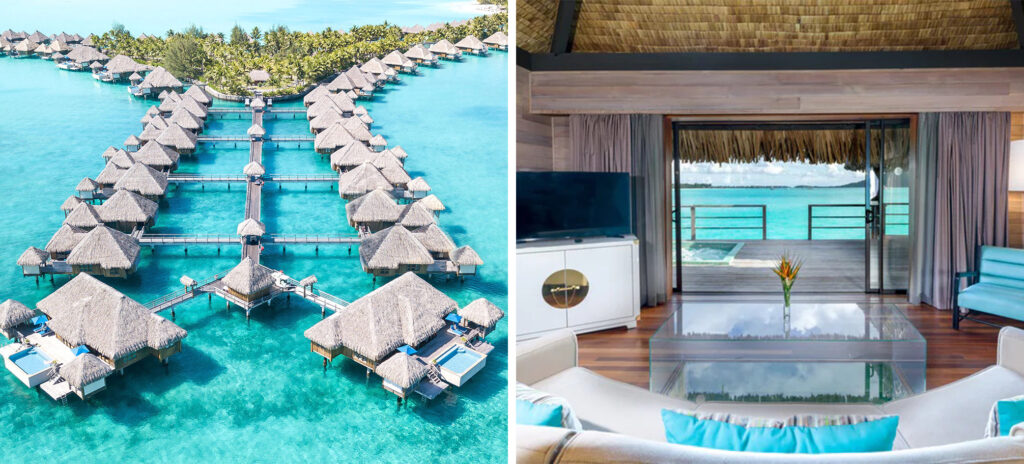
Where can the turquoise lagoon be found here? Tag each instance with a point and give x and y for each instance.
(252, 392)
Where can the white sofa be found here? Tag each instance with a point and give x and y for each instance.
(622, 423)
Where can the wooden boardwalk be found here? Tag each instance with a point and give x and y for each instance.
(269, 178)
(254, 191)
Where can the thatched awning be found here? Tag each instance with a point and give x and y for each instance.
(107, 248)
(465, 256)
(249, 278)
(391, 248)
(83, 370)
(815, 146)
(13, 313)
(482, 312)
(402, 370)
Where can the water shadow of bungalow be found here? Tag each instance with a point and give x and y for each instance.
(399, 62)
(362, 180)
(105, 251)
(158, 80)
(393, 251)
(471, 44)
(497, 41)
(446, 50)
(157, 156)
(144, 181)
(128, 211)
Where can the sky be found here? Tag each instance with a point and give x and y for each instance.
(768, 174)
(84, 17)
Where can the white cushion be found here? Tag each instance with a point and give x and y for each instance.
(956, 412)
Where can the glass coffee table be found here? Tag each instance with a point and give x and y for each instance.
(828, 352)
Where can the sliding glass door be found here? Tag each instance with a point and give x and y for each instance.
(887, 206)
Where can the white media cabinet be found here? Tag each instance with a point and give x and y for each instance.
(611, 267)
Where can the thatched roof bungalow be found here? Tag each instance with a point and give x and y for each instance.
(364, 86)
(121, 159)
(126, 210)
(323, 121)
(471, 44)
(31, 261)
(314, 95)
(177, 137)
(70, 203)
(401, 373)
(431, 203)
(435, 240)
(251, 228)
(199, 94)
(105, 251)
(84, 216)
(466, 260)
(377, 142)
(259, 76)
(253, 169)
(159, 79)
(418, 187)
(482, 313)
(12, 315)
(109, 176)
(256, 132)
(25, 48)
(399, 152)
(157, 156)
(249, 281)
(121, 67)
(63, 241)
(182, 117)
(405, 311)
(85, 54)
(132, 143)
(351, 156)
(372, 212)
(392, 168)
(361, 180)
(358, 130)
(497, 41)
(414, 215)
(86, 189)
(116, 329)
(419, 54)
(374, 66)
(86, 375)
(341, 83)
(399, 62)
(332, 138)
(393, 251)
(446, 50)
(143, 180)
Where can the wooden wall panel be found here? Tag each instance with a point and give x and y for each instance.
(1016, 229)
(779, 92)
(533, 131)
(1016, 126)
(560, 144)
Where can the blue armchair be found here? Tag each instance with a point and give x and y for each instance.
(997, 287)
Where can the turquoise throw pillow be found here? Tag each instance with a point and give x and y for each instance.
(870, 436)
(1011, 412)
(528, 413)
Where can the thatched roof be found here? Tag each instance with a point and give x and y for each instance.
(482, 312)
(256, 130)
(654, 26)
(127, 206)
(182, 117)
(434, 239)
(378, 141)
(396, 58)
(88, 312)
(259, 75)
(135, 77)
(193, 107)
(465, 256)
(392, 247)
(122, 64)
(70, 204)
(498, 39)
(84, 216)
(815, 146)
(85, 53)
(321, 107)
(391, 167)
(106, 247)
(343, 102)
(14, 313)
(402, 370)
(352, 155)
(333, 138)
(471, 42)
(155, 155)
(358, 129)
(399, 152)
(132, 140)
(96, 65)
(308, 280)
(248, 277)
(109, 152)
(87, 185)
(110, 174)
(65, 239)
(83, 370)
(374, 66)
(314, 95)
(418, 185)
(198, 94)
(160, 78)
(325, 120)
(362, 179)
(122, 160)
(251, 228)
(376, 206)
(33, 257)
(405, 311)
(342, 83)
(415, 215)
(431, 203)
(254, 169)
(358, 79)
(176, 136)
(143, 180)
(152, 130)
(26, 46)
(153, 110)
(445, 47)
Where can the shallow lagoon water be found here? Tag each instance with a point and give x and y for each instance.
(252, 392)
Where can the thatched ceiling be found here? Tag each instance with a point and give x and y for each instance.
(828, 146)
(652, 26)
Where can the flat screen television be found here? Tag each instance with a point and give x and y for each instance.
(572, 205)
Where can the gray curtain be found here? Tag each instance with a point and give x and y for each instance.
(971, 161)
(922, 195)
(599, 142)
(648, 181)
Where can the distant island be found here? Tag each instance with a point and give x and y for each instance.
(684, 185)
(294, 60)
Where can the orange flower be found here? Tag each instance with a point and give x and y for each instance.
(787, 268)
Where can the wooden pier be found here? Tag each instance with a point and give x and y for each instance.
(254, 190)
(269, 178)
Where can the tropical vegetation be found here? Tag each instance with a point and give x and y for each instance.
(294, 59)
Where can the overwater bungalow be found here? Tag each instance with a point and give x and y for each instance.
(431, 203)
(105, 251)
(466, 260)
(249, 281)
(31, 261)
(363, 87)
(144, 181)
(471, 44)
(414, 216)
(435, 240)
(112, 327)
(324, 120)
(418, 187)
(332, 138)
(325, 106)
(400, 373)
(362, 180)
(373, 211)
(5, 46)
(119, 69)
(182, 117)
(314, 95)
(39, 37)
(87, 188)
(24, 49)
(158, 156)
(377, 67)
(393, 251)
(84, 56)
(482, 314)
(446, 50)
(15, 318)
(399, 152)
(66, 38)
(181, 140)
(43, 51)
(87, 41)
(121, 159)
(135, 79)
(127, 211)
(497, 41)
(109, 176)
(250, 230)
(70, 203)
(57, 58)
(96, 67)
(158, 80)
(63, 241)
(199, 94)
(256, 132)
(341, 84)
(254, 170)
(84, 217)
(377, 143)
(132, 143)
(351, 156)
(85, 375)
(259, 76)
(258, 104)
(392, 169)
(399, 62)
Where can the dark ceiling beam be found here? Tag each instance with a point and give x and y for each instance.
(1018, 20)
(776, 61)
(561, 41)
(523, 58)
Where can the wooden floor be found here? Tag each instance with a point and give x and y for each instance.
(622, 354)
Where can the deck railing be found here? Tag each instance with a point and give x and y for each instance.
(160, 300)
(761, 217)
(886, 213)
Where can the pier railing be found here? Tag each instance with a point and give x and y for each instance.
(167, 239)
(312, 238)
(163, 302)
(831, 216)
(734, 219)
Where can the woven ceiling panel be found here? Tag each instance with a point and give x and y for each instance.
(535, 24)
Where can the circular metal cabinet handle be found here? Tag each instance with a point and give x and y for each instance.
(565, 289)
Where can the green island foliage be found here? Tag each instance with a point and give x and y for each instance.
(294, 59)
